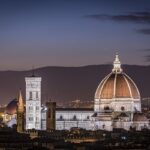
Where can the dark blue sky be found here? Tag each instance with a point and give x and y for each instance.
(73, 32)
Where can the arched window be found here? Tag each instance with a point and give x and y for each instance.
(37, 107)
(103, 126)
(74, 117)
(37, 95)
(30, 108)
(106, 108)
(122, 108)
(30, 95)
(61, 117)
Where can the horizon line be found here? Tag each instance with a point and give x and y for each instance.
(36, 68)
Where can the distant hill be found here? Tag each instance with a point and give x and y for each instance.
(69, 83)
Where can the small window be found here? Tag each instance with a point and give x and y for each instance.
(30, 95)
(88, 117)
(30, 108)
(122, 108)
(103, 126)
(37, 118)
(30, 118)
(106, 108)
(37, 95)
(74, 117)
(61, 117)
(37, 107)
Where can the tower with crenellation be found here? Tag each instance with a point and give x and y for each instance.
(33, 102)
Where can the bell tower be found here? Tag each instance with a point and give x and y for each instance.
(33, 102)
(51, 115)
(20, 114)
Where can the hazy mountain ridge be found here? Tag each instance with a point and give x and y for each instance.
(69, 83)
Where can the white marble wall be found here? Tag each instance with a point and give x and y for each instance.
(65, 120)
(123, 124)
(103, 125)
(127, 104)
(33, 103)
(72, 114)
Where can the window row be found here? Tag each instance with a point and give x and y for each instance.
(32, 119)
(31, 95)
(74, 118)
(30, 108)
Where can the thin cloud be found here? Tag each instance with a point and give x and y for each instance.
(147, 58)
(146, 50)
(134, 17)
(144, 31)
(146, 54)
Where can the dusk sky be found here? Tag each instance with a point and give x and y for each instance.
(73, 32)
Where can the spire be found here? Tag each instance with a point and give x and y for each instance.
(20, 103)
(117, 65)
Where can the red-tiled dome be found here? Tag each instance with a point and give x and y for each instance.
(117, 85)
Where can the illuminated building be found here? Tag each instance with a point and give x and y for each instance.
(33, 102)
(10, 113)
(66, 118)
(51, 115)
(117, 104)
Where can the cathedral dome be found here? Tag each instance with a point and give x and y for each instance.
(11, 108)
(117, 85)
